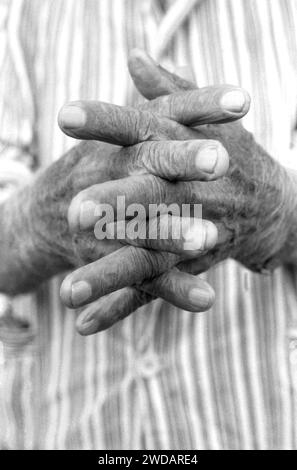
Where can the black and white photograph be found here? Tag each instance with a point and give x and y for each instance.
(148, 228)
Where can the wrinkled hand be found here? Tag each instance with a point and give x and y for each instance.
(129, 264)
(247, 207)
(93, 162)
(174, 158)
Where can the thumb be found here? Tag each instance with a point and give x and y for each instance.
(151, 79)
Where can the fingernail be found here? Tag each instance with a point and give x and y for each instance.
(87, 214)
(202, 235)
(233, 101)
(211, 235)
(200, 298)
(80, 292)
(195, 236)
(72, 117)
(207, 158)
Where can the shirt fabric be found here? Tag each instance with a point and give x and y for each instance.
(163, 378)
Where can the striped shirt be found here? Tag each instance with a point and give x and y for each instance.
(163, 378)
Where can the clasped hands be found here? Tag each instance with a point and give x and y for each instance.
(182, 147)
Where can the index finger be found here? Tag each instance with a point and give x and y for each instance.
(118, 125)
(153, 80)
(164, 118)
(125, 267)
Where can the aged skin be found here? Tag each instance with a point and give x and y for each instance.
(254, 206)
(35, 239)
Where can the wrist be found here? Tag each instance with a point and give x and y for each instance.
(26, 259)
(50, 246)
(280, 240)
(264, 236)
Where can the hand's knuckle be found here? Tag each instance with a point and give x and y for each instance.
(132, 159)
(141, 297)
(151, 159)
(168, 283)
(149, 263)
(146, 126)
(157, 187)
(166, 160)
